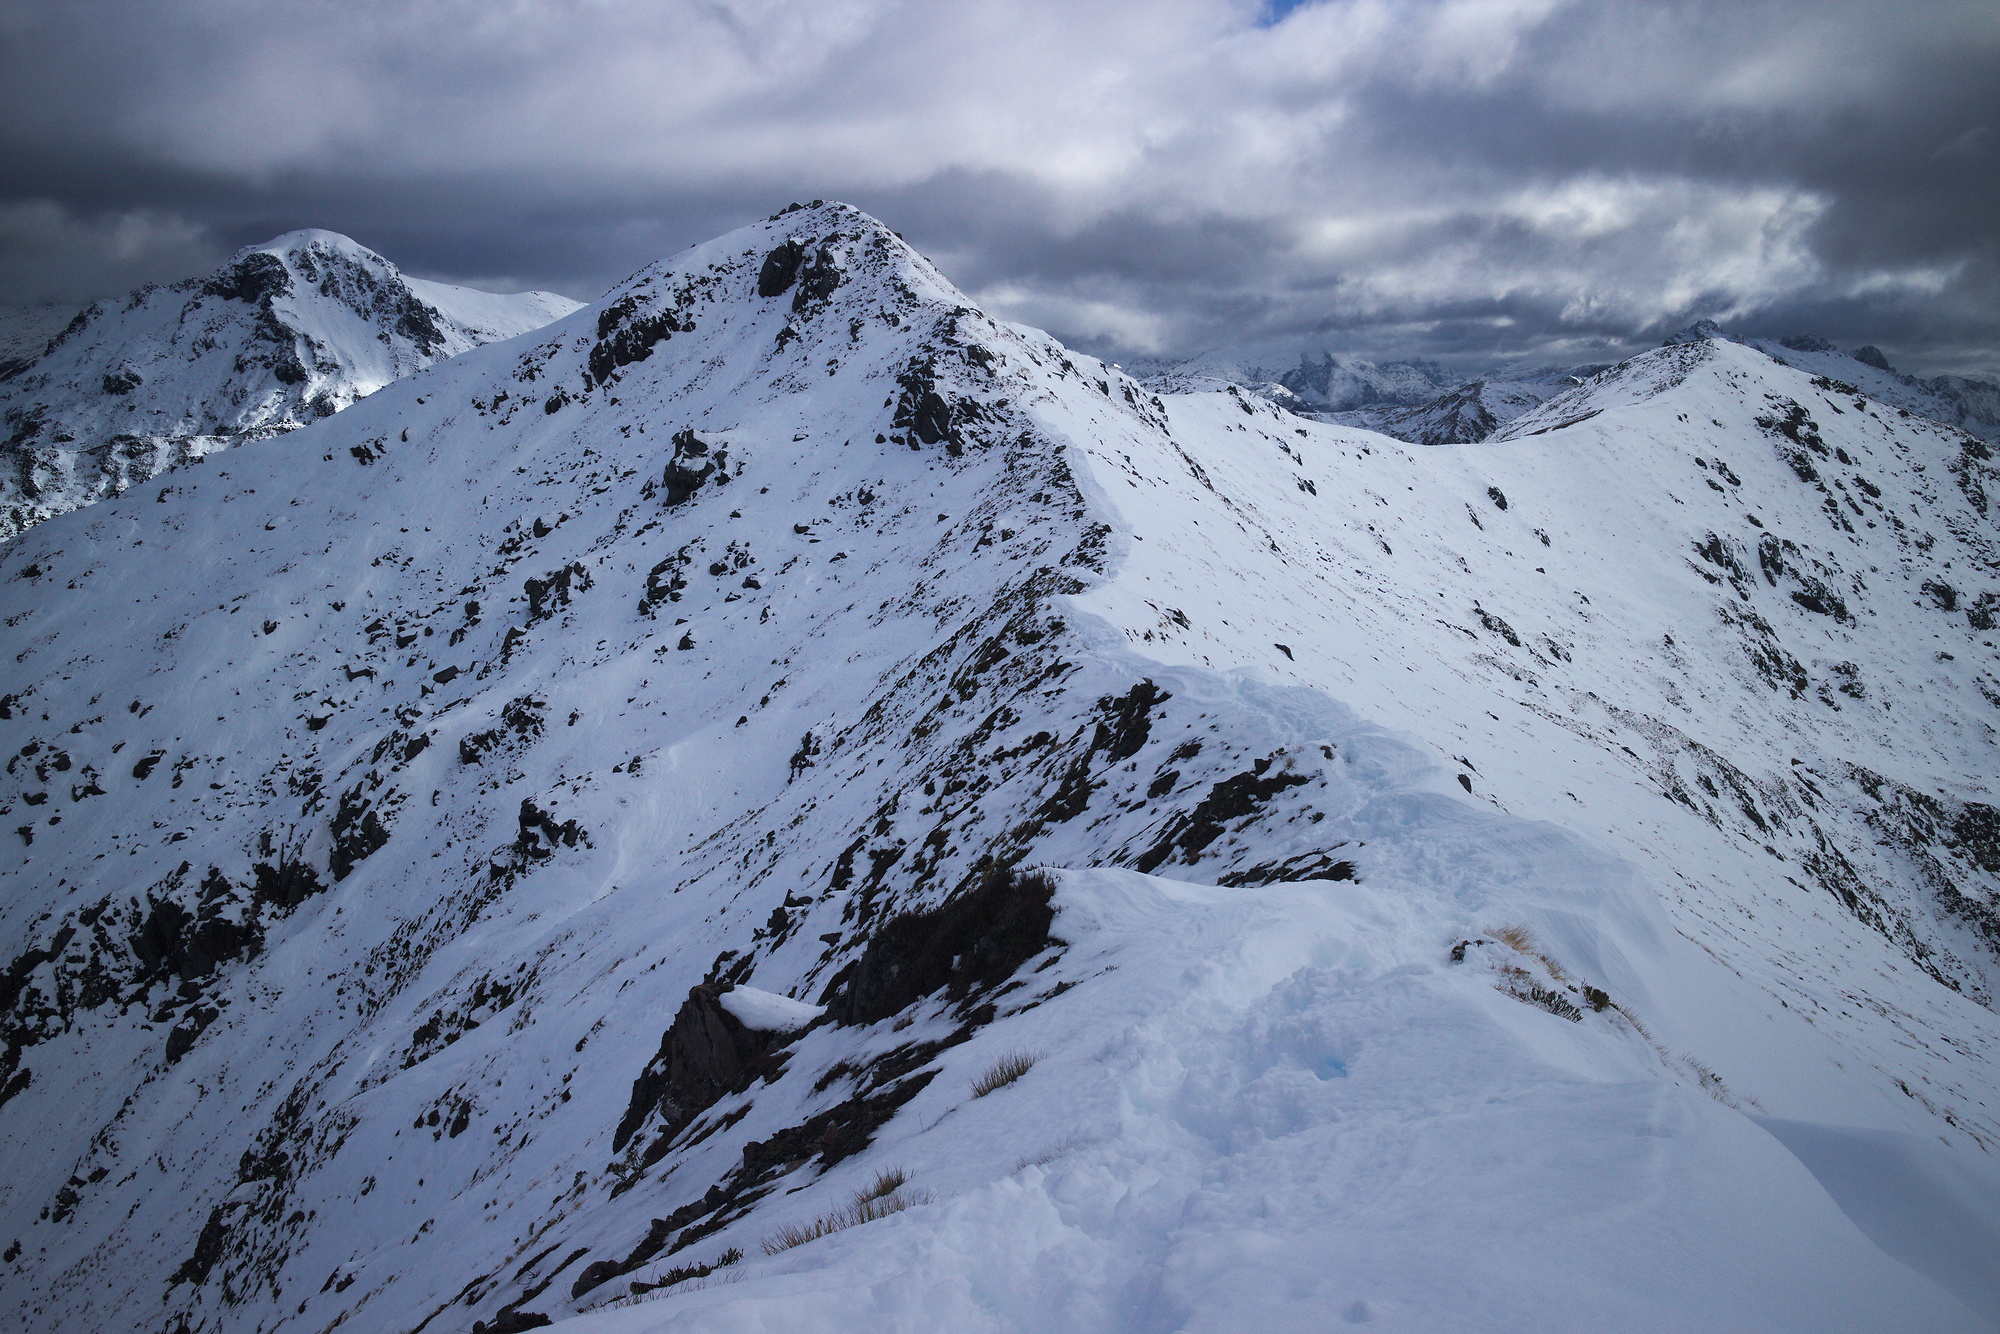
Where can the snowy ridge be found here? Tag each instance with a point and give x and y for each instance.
(1402, 399)
(286, 333)
(764, 626)
(1971, 405)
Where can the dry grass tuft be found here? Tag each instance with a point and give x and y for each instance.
(687, 1277)
(882, 1197)
(1005, 1071)
(887, 1182)
(1521, 940)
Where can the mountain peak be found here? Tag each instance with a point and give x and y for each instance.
(1701, 331)
(319, 239)
(286, 332)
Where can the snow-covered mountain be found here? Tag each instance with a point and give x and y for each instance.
(1971, 405)
(286, 333)
(1473, 410)
(1323, 384)
(785, 803)
(1420, 402)
(25, 332)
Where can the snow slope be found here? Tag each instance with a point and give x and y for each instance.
(25, 332)
(286, 333)
(1971, 405)
(1490, 887)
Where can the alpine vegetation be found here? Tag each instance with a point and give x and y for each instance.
(571, 837)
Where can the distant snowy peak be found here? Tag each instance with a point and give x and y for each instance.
(1973, 406)
(1335, 383)
(1421, 402)
(1701, 331)
(287, 332)
(1326, 383)
(1471, 412)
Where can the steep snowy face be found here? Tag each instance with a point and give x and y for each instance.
(569, 843)
(25, 332)
(286, 333)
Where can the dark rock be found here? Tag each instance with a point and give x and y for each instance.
(690, 467)
(1231, 799)
(254, 278)
(1305, 866)
(970, 943)
(781, 268)
(182, 1039)
(208, 1248)
(706, 1054)
(624, 335)
(553, 591)
(173, 942)
(1872, 356)
(816, 282)
(1495, 625)
(358, 833)
(286, 885)
(540, 835)
(1126, 720)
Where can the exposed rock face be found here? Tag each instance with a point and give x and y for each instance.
(706, 1053)
(974, 942)
(284, 334)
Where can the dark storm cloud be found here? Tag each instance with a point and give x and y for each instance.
(1470, 179)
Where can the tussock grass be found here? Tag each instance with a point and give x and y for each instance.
(1522, 941)
(880, 1198)
(1005, 1071)
(887, 1182)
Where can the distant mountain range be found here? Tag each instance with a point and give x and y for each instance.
(1424, 403)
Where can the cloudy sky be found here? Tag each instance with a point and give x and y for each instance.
(1474, 180)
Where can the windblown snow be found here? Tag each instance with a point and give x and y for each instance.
(782, 803)
(286, 333)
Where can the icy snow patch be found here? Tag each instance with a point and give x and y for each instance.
(767, 1011)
